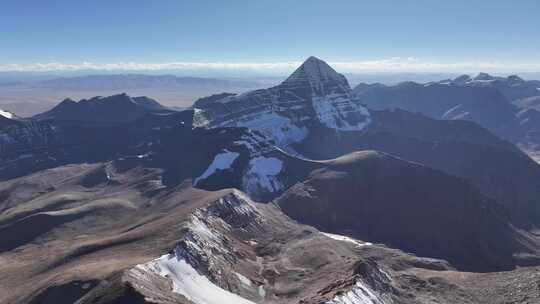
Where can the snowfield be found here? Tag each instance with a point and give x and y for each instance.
(262, 175)
(189, 283)
(277, 127)
(222, 161)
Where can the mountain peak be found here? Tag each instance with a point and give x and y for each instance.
(313, 60)
(317, 73)
(484, 76)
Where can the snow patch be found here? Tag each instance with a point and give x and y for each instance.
(266, 166)
(280, 128)
(189, 283)
(6, 114)
(261, 291)
(222, 161)
(344, 238)
(243, 279)
(261, 176)
(360, 294)
(455, 113)
(199, 118)
(337, 111)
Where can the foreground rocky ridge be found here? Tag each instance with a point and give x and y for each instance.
(144, 243)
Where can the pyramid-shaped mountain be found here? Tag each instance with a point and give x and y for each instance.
(313, 96)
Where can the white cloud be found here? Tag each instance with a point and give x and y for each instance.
(394, 64)
(133, 66)
(411, 64)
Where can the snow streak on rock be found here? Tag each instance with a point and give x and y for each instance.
(6, 114)
(346, 239)
(359, 294)
(335, 111)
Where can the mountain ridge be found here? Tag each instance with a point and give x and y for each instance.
(112, 109)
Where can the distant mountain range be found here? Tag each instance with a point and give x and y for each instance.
(504, 105)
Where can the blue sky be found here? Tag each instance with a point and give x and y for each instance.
(411, 34)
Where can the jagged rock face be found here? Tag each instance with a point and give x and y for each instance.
(19, 143)
(319, 77)
(313, 96)
(201, 266)
(227, 254)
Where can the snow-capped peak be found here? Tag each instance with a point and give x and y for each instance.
(6, 114)
(317, 73)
